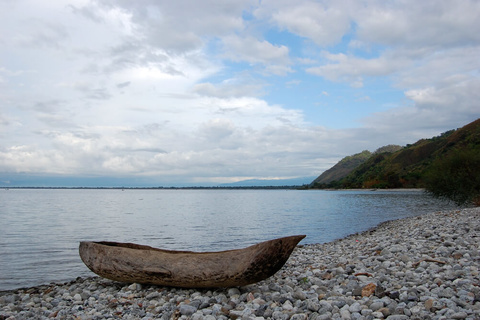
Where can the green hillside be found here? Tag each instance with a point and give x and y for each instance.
(407, 167)
(348, 164)
(342, 168)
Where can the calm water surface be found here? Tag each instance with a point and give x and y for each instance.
(40, 228)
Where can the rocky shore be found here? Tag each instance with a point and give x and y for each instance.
(425, 267)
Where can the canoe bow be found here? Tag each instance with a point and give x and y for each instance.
(134, 263)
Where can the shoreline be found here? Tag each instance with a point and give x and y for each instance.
(423, 267)
(379, 189)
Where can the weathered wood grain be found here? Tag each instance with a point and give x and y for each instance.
(133, 263)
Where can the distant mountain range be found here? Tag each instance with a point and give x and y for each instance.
(399, 167)
(270, 182)
(46, 181)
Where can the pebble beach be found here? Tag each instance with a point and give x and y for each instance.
(425, 267)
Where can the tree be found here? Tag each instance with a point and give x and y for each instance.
(456, 177)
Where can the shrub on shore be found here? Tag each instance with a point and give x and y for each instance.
(456, 177)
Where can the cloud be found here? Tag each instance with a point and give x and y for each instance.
(229, 89)
(323, 23)
(439, 67)
(181, 26)
(461, 93)
(428, 24)
(123, 84)
(431, 109)
(420, 43)
(217, 90)
(275, 59)
(352, 69)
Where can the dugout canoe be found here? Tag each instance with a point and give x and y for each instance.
(134, 263)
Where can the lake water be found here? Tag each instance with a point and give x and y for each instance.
(40, 229)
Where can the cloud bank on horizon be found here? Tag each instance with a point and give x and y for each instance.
(219, 91)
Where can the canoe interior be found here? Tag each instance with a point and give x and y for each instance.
(135, 246)
(139, 247)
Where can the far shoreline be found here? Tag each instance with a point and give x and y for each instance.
(294, 187)
(377, 189)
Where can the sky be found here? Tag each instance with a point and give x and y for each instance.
(210, 92)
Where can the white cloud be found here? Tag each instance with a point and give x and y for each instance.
(208, 90)
(324, 23)
(181, 26)
(439, 67)
(275, 58)
(352, 69)
(418, 35)
(229, 89)
(461, 93)
(432, 108)
(426, 24)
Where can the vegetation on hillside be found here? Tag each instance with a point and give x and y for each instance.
(388, 149)
(446, 165)
(456, 177)
(342, 168)
(348, 164)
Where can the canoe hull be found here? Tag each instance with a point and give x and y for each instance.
(132, 263)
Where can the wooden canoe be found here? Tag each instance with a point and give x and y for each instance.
(133, 263)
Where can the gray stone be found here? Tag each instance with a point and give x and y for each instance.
(355, 307)
(313, 305)
(397, 317)
(376, 305)
(459, 315)
(187, 310)
(345, 314)
(278, 315)
(152, 295)
(299, 316)
(233, 292)
(299, 295)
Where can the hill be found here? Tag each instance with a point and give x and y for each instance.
(348, 164)
(407, 167)
(342, 168)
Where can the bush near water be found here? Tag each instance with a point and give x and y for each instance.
(456, 177)
(447, 166)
